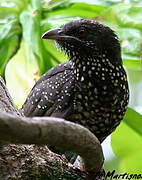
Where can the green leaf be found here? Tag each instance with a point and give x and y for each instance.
(125, 141)
(132, 163)
(6, 12)
(105, 3)
(30, 20)
(24, 70)
(76, 9)
(132, 64)
(134, 120)
(9, 42)
(8, 7)
(126, 144)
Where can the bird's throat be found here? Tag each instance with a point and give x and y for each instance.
(88, 68)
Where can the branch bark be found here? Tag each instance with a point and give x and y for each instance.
(15, 129)
(6, 103)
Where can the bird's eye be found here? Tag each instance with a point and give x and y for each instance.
(82, 32)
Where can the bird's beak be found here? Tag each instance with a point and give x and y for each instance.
(56, 34)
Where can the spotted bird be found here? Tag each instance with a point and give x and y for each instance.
(91, 88)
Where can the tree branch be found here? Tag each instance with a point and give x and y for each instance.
(54, 132)
(15, 129)
(6, 103)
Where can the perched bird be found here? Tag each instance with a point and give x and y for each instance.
(90, 89)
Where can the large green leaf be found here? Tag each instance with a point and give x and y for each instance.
(132, 64)
(9, 42)
(75, 9)
(132, 164)
(30, 20)
(125, 141)
(134, 120)
(10, 30)
(24, 70)
(106, 3)
(126, 144)
(9, 7)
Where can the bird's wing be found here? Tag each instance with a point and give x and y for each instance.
(50, 92)
(55, 70)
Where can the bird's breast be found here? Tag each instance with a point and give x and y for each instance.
(100, 107)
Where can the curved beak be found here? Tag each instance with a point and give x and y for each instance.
(56, 34)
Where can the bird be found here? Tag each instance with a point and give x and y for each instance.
(91, 88)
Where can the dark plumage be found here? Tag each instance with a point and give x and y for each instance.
(91, 88)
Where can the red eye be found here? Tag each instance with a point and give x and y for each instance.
(82, 32)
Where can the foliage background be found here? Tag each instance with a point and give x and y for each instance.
(24, 57)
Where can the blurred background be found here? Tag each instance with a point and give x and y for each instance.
(24, 57)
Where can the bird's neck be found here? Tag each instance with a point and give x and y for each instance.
(96, 69)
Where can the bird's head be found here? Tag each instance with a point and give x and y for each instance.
(87, 38)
